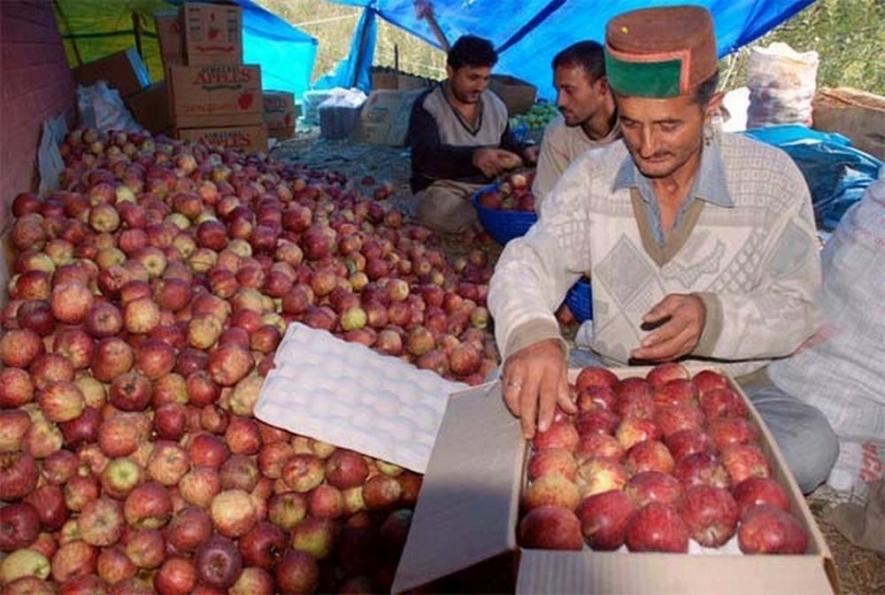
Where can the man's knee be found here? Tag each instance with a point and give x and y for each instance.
(444, 209)
(812, 457)
(802, 432)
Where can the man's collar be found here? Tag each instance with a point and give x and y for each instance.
(709, 185)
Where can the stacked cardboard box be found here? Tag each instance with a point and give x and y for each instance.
(280, 114)
(124, 71)
(212, 96)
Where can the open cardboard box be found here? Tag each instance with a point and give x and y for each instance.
(469, 509)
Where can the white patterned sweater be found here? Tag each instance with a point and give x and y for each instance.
(755, 264)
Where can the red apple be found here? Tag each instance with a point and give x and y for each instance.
(653, 486)
(596, 397)
(688, 442)
(702, 469)
(148, 506)
(551, 528)
(74, 344)
(649, 455)
(20, 347)
(657, 527)
(595, 376)
(71, 302)
(664, 373)
(599, 421)
(287, 509)
(18, 475)
(731, 431)
(710, 514)
(61, 401)
(16, 388)
(207, 449)
(675, 418)
(601, 475)
(189, 528)
(345, 469)
(131, 392)
(635, 399)
(14, 425)
(177, 576)
(707, 380)
(766, 529)
(743, 461)
(598, 446)
(113, 566)
(314, 536)
(19, 526)
(168, 462)
(558, 435)
(239, 472)
(604, 518)
(233, 513)
(297, 572)
(73, 559)
(760, 490)
(633, 430)
(101, 522)
(552, 461)
(113, 357)
(722, 402)
(381, 491)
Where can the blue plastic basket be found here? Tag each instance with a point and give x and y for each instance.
(503, 226)
(579, 300)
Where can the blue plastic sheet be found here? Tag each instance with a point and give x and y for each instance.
(528, 33)
(837, 173)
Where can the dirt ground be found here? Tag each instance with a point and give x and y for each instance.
(861, 572)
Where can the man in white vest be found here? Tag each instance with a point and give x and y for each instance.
(460, 139)
(587, 117)
(701, 245)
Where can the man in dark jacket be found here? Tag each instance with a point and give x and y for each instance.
(460, 138)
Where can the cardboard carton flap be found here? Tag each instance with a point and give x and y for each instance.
(545, 571)
(469, 498)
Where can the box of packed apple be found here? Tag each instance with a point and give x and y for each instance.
(665, 481)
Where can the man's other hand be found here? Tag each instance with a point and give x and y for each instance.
(683, 317)
(534, 382)
(530, 154)
(491, 161)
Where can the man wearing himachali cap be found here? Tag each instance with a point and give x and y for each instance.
(701, 245)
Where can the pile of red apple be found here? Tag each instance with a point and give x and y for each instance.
(651, 463)
(147, 300)
(512, 193)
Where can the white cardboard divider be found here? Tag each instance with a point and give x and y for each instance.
(350, 396)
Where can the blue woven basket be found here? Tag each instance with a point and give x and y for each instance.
(579, 300)
(503, 226)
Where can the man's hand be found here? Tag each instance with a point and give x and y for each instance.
(534, 382)
(677, 336)
(492, 161)
(530, 154)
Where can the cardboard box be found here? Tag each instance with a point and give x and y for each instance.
(385, 117)
(280, 111)
(469, 509)
(857, 114)
(215, 95)
(398, 81)
(213, 33)
(518, 95)
(169, 36)
(150, 107)
(124, 71)
(250, 139)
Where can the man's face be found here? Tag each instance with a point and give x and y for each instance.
(468, 82)
(662, 135)
(577, 97)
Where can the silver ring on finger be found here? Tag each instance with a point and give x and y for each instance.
(517, 384)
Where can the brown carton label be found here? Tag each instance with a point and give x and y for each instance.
(200, 94)
(213, 33)
(246, 138)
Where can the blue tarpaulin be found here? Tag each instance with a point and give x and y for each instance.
(528, 33)
(837, 174)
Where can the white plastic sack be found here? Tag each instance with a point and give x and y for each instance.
(782, 83)
(49, 160)
(102, 108)
(841, 370)
(340, 97)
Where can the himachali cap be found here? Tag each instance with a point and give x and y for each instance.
(660, 52)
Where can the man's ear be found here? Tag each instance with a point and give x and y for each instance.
(713, 106)
(603, 85)
(450, 72)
